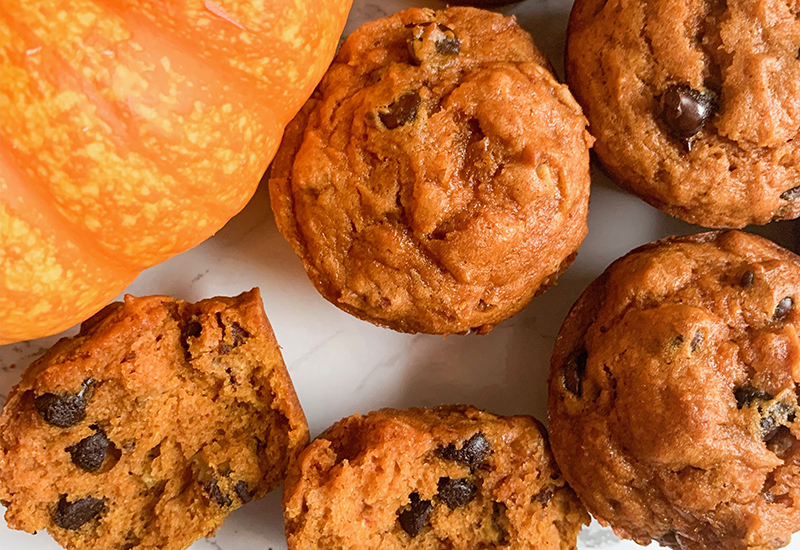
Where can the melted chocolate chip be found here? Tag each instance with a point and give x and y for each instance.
(783, 309)
(473, 453)
(415, 516)
(746, 396)
(66, 410)
(73, 515)
(748, 278)
(216, 493)
(686, 110)
(447, 43)
(573, 372)
(792, 194)
(90, 453)
(401, 112)
(243, 492)
(237, 333)
(456, 492)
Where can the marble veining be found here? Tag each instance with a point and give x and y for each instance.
(341, 365)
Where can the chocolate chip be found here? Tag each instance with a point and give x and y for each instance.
(237, 335)
(697, 340)
(473, 453)
(90, 453)
(216, 493)
(434, 43)
(783, 309)
(573, 372)
(746, 396)
(447, 43)
(776, 415)
(686, 110)
(73, 515)
(792, 194)
(748, 278)
(669, 539)
(243, 492)
(543, 497)
(401, 112)
(456, 492)
(415, 516)
(66, 410)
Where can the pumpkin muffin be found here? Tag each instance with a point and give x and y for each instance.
(439, 176)
(695, 104)
(673, 394)
(447, 477)
(150, 426)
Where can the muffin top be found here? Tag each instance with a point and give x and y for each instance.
(439, 175)
(676, 375)
(695, 104)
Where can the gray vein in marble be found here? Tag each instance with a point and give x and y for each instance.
(307, 355)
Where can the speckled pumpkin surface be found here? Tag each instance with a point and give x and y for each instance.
(131, 131)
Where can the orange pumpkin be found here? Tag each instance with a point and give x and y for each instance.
(132, 130)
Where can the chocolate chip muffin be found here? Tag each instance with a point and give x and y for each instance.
(447, 477)
(695, 104)
(439, 176)
(673, 394)
(150, 426)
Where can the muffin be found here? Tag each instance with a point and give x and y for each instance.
(150, 426)
(447, 477)
(439, 176)
(695, 105)
(673, 394)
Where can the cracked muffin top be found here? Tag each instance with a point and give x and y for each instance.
(695, 104)
(673, 394)
(438, 177)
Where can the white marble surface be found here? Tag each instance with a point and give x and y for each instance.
(341, 365)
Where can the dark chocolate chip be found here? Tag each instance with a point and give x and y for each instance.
(777, 415)
(748, 278)
(783, 309)
(415, 516)
(746, 396)
(238, 336)
(669, 539)
(697, 340)
(472, 453)
(192, 330)
(243, 492)
(792, 194)
(64, 411)
(90, 453)
(543, 497)
(401, 112)
(447, 43)
(456, 492)
(573, 371)
(686, 110)
(73, 515)
(216, 493)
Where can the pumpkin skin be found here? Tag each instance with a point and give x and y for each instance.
(132, 130)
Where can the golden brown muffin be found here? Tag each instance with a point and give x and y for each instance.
(695, 104)
(150, 426)
(447, 477)
(439, 176)
(673, 394)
